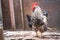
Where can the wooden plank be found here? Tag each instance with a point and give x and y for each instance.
(18, 14)
(6, 14)
(12, 15)
(22, 15)
(30, 35)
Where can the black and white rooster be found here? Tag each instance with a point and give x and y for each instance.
(38, 20)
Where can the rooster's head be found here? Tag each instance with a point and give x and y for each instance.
(34, 5)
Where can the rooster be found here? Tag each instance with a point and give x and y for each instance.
(38, 20)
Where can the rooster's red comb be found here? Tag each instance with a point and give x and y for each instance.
(33, 5)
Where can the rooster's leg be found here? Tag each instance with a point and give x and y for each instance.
(39, 34)
(36, 34)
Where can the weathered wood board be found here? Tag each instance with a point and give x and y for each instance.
(30, 35)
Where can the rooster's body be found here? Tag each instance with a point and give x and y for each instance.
(38, 19)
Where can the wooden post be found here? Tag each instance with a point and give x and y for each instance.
(12, 14)
(1, 33)
(22, 14)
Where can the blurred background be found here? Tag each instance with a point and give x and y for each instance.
(13, 13)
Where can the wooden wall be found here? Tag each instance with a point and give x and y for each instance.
(52, 6)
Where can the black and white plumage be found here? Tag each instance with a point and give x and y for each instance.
(40, 16)
(29, 21)
(38, 19)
